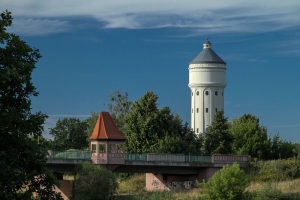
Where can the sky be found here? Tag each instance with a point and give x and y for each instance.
(92, 48)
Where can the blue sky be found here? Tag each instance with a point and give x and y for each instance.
(94, 48)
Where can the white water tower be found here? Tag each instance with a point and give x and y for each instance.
(207, 81)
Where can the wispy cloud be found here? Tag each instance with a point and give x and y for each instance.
(209, 16)
(31, 26)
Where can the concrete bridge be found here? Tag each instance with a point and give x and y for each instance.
(162, 170)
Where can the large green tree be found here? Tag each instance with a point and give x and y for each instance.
(217, 139)
(249, 137)
(22, 157)
(69, 133)
(150, 129)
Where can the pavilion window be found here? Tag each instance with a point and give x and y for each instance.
(102, 148)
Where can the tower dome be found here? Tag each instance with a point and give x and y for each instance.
(207, 55)
(207, 81)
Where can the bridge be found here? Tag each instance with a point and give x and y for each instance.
(163, 171)
(160, 169)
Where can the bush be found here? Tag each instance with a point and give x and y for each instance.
(228, 183)
(93, 182)
(134, 184)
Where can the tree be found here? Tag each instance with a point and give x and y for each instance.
(119, 108)
(153, 130)
(69, 133)
(229, 184)
(217, 139)
(249, 137)
(281, 149)
(93, 182)
(91, 122)
(22, 157)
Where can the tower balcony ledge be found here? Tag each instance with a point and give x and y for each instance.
(207, 84)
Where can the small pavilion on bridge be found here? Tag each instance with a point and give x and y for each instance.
(107, 142)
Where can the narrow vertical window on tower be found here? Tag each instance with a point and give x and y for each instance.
(206, 93)
(197, 93)
(192, 110)
(197, 130)
(222, 93)
(206, 110)
(197, 110)
(216, 93)
(216, 109)
(192, 93)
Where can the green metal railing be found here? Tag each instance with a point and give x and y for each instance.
(71, 154)
(135, 157)
(168, 157)
(86, 155)
(201, 159)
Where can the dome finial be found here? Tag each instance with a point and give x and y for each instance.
(206, 44)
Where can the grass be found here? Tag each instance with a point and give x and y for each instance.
(133, 188)
(286, 187)
(132, 185)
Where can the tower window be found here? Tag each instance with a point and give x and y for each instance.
(197, 110)
(216, 109)
(197, 93)
(216, 93)
(206, 109)
(206, 93)
(197, 130)
(222, 93)
(192, 110)
(192, 93)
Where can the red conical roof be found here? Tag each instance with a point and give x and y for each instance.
(106, 129)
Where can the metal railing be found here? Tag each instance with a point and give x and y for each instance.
(70, 154)
(157, 157)
(167, 157)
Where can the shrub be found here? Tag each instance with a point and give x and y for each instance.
(93, 182)
(228, 183)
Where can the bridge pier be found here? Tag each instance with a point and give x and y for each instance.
(156, 182)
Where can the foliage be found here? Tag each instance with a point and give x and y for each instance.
(268, 191)
(134, 184)
(119, 108)
(69, 133)
(153, 130)
(22, 157)
(91, 122)
(217, 139)
(249, 137)
(275, 170)
(227, 183)
(281, 148)
(93, 182)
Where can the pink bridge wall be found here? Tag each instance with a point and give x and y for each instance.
(155, 182)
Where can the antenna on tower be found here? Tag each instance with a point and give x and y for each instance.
(207, 38)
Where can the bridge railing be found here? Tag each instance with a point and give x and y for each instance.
(135, 157)
(69, 154)
(167, 157)
(201, 159)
